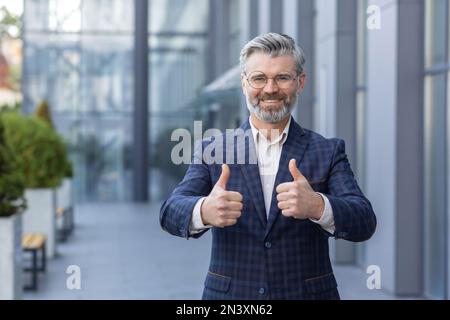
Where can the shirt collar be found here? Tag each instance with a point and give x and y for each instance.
(281, 139)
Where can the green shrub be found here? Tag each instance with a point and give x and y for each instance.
(12, 182)
(68, 168)
(41, 151)
(16, 107)
(43, 113)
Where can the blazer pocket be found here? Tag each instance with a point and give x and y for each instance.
(321, 283)
(217, 282)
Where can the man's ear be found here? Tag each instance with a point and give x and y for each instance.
(243, 83)
(301, 82)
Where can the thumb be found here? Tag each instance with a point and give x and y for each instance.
(223, 179)
(296, 174)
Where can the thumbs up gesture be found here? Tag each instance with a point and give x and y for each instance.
(222, 208)
(297, 199)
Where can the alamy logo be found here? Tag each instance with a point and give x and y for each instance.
(231, 147)
(374, 18)
(374, 280)
(73, 281)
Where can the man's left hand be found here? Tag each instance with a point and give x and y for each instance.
(297, 199)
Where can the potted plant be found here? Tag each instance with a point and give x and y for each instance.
(43, 112)
(64, 203)
(12, 204)
(41, 153)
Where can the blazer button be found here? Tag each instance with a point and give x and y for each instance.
(268, 244)
(343, 234)
(262, 290)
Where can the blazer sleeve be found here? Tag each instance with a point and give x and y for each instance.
(176, 212)
(354, 218)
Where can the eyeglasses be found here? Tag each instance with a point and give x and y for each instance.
(258, 80)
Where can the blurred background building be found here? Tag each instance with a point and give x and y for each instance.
(121, 75)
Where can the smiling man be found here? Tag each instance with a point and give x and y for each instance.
(271, 220)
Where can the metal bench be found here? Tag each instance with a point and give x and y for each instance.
(65, 224)
(33, 243)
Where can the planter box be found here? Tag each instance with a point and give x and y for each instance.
(64, 202)
(41, 216)
(64, 194)
(11, 257)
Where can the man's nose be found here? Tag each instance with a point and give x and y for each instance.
(271, 86)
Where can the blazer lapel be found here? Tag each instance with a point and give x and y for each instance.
(293, 148)
(250, 171)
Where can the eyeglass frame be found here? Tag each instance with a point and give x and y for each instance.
(273, 78)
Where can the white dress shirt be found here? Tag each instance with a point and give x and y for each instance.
(269, 153)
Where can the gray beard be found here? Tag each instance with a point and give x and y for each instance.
(270, 116)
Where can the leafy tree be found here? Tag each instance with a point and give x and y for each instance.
(11, 27)
(43, 113)
(41, 152)
(12, 181)
(10, 24)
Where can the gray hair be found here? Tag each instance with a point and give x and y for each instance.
(275, 45)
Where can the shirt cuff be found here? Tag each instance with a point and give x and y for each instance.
(196, 225)
(327, 219)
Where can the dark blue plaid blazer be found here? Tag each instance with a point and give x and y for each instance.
(278, 257)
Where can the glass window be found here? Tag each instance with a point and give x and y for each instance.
(435, 186)
(448, 152)
(361, 93)
(79, 56)
(235, 32)
(435, 32)
(177, 62)
(435, 150)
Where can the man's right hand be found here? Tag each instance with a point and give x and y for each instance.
(222, 208)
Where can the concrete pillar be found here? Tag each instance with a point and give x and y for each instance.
(394, 144)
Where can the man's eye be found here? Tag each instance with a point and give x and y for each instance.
(283, 78)
(258, 79)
